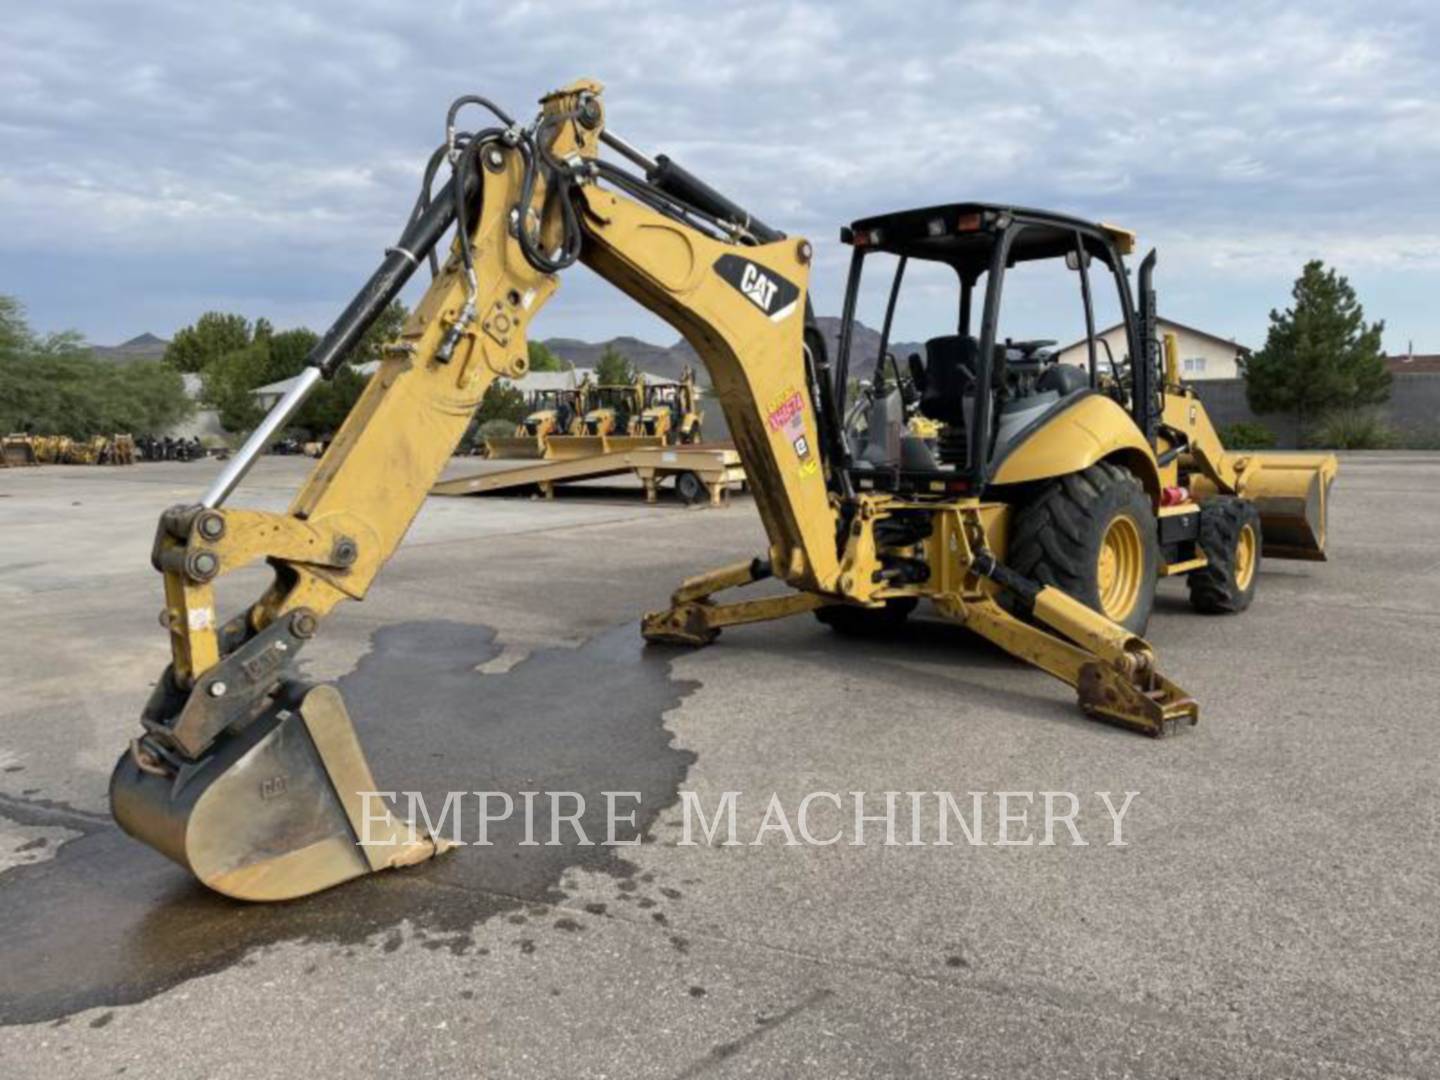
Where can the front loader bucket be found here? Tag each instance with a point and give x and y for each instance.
(571, 447)
(623, 444)
(276, 812)
(526, 447)
(1292, 494)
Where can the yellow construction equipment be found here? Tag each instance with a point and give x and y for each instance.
(18, 449)
(671, 412)
(1040, 517)
(552, 412)
(52, 449)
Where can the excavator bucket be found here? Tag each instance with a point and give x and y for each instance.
(277, 811)
(1292, 494)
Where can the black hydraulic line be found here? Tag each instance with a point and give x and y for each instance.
(660, 201)
(473, 99)
(402, 260)
(426, 196)
(1018, 585)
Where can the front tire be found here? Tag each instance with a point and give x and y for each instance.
(1231, 539)
(1092, 535)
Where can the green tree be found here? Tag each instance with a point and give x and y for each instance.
(542, 359)
(326, 409)
(14, 331)
(386, 328)
(502, 401)
(614, 368)
(52, 385)
(212, 336)
(289, 350)
(1319, 354)
(150, 398)
(230, 381)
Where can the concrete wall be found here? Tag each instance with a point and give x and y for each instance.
(1414, 405)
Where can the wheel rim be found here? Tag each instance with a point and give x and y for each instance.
(1121, 568)
(1245, 558)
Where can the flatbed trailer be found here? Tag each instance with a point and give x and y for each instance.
(701, 472)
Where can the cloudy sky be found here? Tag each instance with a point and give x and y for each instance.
(164, 158)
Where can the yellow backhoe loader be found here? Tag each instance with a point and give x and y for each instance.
(1049, 505)
(552, 412)
(611, 425)
(671, 412)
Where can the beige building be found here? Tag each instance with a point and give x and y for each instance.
(1202, 355)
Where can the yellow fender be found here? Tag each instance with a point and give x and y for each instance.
(1092, 429)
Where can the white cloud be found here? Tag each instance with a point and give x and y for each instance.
(1244, 137)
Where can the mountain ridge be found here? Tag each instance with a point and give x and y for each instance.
(668, 361)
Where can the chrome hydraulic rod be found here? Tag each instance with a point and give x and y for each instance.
(624, 149)
(229, 479)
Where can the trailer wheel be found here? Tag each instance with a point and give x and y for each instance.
(690, 488)
(1092, 534)
(855, 621)
(1231, 539)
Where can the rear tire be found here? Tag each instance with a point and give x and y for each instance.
(1230, 538)
(1092, 535)
(867, 622)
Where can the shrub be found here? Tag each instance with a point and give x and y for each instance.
(1247, 435)
(1352, 429)
(493, 429)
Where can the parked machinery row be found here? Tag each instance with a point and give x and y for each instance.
(19, 449)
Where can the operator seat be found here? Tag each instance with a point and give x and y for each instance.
(1064, 379)
(950, 363)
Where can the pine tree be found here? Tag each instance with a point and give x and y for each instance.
(614, 368)
(1319, 355)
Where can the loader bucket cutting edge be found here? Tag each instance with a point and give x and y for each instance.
(275, 812)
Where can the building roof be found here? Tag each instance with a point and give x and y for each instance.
(1413, 363)
(1176, 325)
(279, 389)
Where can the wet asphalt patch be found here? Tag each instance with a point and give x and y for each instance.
(109, 922)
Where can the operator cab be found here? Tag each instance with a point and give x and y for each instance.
(1023, 298)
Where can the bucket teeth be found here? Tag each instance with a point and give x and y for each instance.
(279, 810)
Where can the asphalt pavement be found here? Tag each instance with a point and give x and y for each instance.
(1270, 912)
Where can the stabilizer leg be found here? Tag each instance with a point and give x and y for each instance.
(693, 618)
(1113, 671)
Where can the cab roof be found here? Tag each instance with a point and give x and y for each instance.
(961, 232)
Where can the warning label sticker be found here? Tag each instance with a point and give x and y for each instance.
(787, 414)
